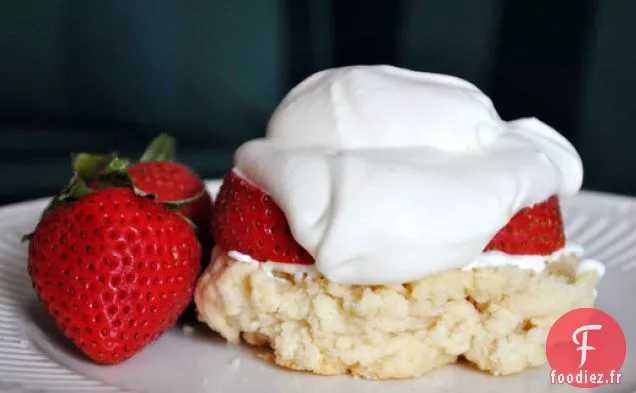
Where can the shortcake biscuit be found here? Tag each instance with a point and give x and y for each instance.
(497, 318)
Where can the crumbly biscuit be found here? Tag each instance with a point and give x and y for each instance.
(496, 318)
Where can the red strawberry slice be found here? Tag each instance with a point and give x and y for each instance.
(535, 230)
(245, 219)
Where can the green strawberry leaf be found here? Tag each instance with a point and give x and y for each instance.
(162, 148)
(87, 166)
(74, 191)
(93, 172)
(115, 174)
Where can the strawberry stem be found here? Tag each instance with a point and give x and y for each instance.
(162, 148)
(92, 172)
(115, 174)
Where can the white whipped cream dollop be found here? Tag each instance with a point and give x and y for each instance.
(387, 175)
(488, 259)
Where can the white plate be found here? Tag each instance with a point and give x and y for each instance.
(34, 357)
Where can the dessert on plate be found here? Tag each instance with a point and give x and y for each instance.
(390, 223)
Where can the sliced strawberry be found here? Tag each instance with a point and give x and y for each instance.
(535, 230)
(245, 219)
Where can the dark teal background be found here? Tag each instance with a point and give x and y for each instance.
(104, 75)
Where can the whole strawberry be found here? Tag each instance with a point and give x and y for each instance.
(114, 269)
(156, 173)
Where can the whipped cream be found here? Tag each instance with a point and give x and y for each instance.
(537, 263)
(488, 259)
(297, 270)
(387, 175)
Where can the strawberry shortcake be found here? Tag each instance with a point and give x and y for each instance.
(391, 223)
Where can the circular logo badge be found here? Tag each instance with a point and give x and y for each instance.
(586, 348)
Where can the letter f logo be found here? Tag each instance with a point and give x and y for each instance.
(583, 344)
